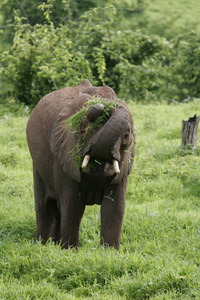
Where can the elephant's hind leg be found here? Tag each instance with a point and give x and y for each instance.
(47, 213)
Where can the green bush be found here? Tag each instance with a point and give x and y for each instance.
(179, 68)
(44, 57)
(137, 66)
(134, 72)
(185, 68)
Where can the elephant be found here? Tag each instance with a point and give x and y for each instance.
(61, 188)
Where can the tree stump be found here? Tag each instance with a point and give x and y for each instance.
(189, 132)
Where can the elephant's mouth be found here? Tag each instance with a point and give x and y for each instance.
(97, 166)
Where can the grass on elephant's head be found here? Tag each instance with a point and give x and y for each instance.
(160, 251)
(77, 120)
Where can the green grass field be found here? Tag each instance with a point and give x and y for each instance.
(159, 257)
(173, 17)
(166, 18)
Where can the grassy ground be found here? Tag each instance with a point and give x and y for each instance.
(171, 17)
(160, 251)
(181, 9)
(166, 18)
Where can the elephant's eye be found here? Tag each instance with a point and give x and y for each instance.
(125, 139)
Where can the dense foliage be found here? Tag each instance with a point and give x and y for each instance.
(140, 67)
(32, 14)
(45, 57)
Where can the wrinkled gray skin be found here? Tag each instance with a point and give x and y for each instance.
(61, 189)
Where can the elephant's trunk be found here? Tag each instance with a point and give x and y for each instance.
(106, 144)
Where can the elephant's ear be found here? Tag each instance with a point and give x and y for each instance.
(62, 141)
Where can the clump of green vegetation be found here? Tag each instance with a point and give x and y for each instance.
(78, 123)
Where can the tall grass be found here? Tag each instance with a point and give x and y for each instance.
(160, 250)
(170, 18)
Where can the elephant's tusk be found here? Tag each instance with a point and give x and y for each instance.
(85, 161)
(116, 166)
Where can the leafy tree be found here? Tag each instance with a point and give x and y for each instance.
(34, 16)
(62, 11)
(185, 68)
(45, 57)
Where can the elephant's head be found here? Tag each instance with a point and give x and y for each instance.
(108, 152)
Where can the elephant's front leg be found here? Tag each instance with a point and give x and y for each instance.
(72, 209)
(112, 212)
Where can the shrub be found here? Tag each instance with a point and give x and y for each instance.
(137, 66)
(45, 57)
(185, 68)
(132, 62)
